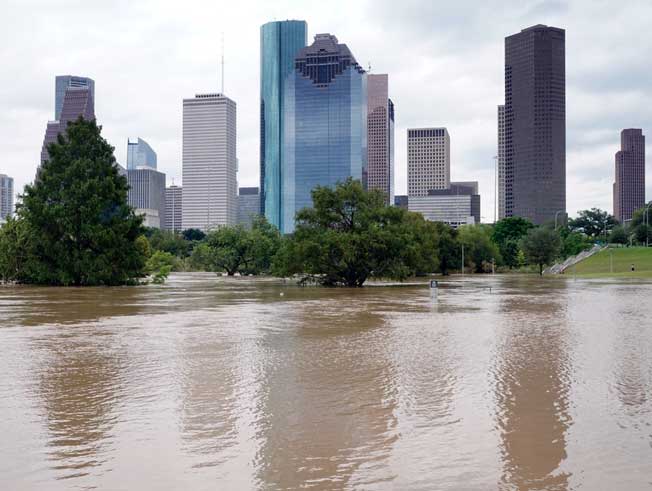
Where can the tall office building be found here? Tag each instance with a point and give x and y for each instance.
(147, 195)
(61, 84)
(429, 160)
(6, 197)
(500, 164)
(77, 101)
(535, 123)
(629, 188)
(380, 137)
(248, 205)
(173, 209)
(140, 154)
(279, 44)
(210, 187)
(325, 129)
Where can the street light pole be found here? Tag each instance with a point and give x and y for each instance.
(462, 259)
(556, 215)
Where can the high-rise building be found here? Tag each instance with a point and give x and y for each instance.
(173, 209)
(535, 123)
(210, 187)
(380, 137)
(325, 129)
(147, 195)
(629, 188)
(500, 163)
(140, 154)
(401, 201)
(429, 160)
(248, 205)
(455, 206)
(6, 197)
(77, 101)
(61, 84)
(279, 44)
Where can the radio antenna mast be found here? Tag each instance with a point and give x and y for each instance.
(222, 62)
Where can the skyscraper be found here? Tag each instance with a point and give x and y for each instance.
(629, 188)
(380, 137)
(147, 195)
(210, 186)
(429, 160)
(77, 101)
(248, 205)
(61, 84)
(279, 44)
(535, 123)
(500, 163)
(140, 154)
(173, 209)
(6, 196)
(325, 129)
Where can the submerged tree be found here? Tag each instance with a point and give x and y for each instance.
(541, 246)
(79, 228)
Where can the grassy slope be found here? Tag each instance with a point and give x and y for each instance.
(599, 264)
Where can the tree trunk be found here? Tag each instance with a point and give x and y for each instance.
(540, 269)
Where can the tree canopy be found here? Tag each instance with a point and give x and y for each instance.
(541, 246)
(507, 234)
(594, 223)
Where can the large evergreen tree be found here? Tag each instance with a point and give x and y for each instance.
(81, 230)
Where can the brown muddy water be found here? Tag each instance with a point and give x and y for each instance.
(510, 383)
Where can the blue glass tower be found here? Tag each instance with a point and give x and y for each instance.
(325, 130)
(140, 154)
(279, 44)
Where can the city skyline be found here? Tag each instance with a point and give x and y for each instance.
(443, 63)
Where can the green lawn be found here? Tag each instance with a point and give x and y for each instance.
(599, 264)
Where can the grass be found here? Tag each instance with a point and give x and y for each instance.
(600, 265)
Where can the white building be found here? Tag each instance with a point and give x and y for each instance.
(210, 188)
(173, 209)
(147, 195)
(6, 197)
(501, 162)
(428, 160)
(458, 205)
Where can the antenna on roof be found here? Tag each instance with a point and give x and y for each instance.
(369, 67)
(222, 62)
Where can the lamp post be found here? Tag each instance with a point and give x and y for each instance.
(462, 259)
(556, 215)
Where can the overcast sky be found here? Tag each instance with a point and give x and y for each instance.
(444, 60)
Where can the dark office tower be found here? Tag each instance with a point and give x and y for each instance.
(629, 188)
(61, 84)
(535, 124)
(78, 101)
(380, 137)
(279, 44)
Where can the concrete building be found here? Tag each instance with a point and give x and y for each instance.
(380, 137)
(140, 154)
(6, 197)
(629, 186)
(428, 160)
(62, 83)
(147, 195)
(173, 209)
(500, 164)
(459, 205)
(210, 188)
(401, 201)
(280, 41)
(535, 123)
(248, 205)
(325, 132)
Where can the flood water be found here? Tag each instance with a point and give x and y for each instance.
(510, 383)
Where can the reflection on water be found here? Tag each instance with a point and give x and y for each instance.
(511, 383)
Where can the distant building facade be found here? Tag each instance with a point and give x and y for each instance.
(62, 83)
(248, 205)
(173, 209)
(325, 131)
(209, 162)
(279, 44)
(629, 185)
(147, 195)
(458, 205)
(428, 160)
(535, 123)
(401, 201)
(380, 137)
(500, 163)
(6, 197)
(140, 154)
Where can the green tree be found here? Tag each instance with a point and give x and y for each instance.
(80, 229)
(479, 250)
(265, 240)
(169, 241)
(618, 235)
(639, 227)
(159, 266)
(14, 250)
(507, 233)
(541, 246)
(448, 248)
(200, 259)
(349, 235)
(594, 223)
(193, 234)
(231, 249)
(572, 243)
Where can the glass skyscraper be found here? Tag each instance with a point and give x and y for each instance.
(279, 44)
(325, 127)
(61, 84)
(140, 154)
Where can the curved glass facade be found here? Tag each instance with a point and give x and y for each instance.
(325, 132)
(279, 44)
